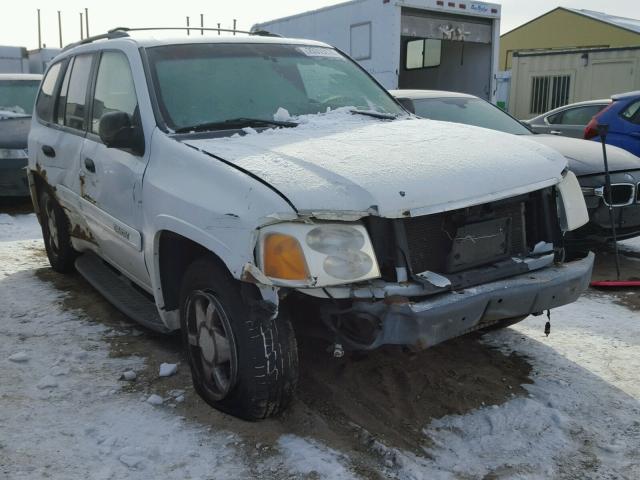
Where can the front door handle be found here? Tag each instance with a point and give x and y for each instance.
(555, 132)
(48, 151)
(89, 165)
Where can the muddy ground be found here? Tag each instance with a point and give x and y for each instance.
(350, 403)
(345, 403)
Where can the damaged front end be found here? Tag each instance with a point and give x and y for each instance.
(440, 276)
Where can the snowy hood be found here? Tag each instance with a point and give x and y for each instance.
(340, 163)
(585, 156)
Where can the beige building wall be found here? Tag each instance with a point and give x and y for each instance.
(594, 76)
(562, 29)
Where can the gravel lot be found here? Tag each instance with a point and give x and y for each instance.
(510, 404)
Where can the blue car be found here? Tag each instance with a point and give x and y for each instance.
(623, 117)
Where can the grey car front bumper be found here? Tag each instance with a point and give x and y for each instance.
(435, 319)
(13, 177)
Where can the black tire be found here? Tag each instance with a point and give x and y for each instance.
(242, 361)
(56, 234)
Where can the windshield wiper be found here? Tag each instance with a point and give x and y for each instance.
(240, 122)
(374, 114)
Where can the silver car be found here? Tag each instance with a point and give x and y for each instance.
(569, 120)
(17, 96)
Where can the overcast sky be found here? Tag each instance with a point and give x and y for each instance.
(19, 24)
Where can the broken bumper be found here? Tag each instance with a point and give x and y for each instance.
(436, 319)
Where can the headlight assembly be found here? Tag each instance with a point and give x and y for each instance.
(348, 265)
(297, 254)
(332, 239)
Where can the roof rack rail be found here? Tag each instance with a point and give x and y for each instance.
(114, 33)
(121, 32)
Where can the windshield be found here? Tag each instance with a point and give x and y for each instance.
(18, 96)
(471, 111)
(211, 83)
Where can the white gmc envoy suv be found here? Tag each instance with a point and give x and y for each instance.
(209, 184)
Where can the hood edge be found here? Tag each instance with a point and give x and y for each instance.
(247, 172)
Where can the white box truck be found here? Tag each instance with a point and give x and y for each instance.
(425, 44)
(13, 60)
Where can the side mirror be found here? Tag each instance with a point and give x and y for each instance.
(407, 103)
(116, 130)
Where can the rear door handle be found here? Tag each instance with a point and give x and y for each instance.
(635, 134)
(48, 151)
(89, 165)
(555, 132)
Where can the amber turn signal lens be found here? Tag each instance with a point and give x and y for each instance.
(283, 258)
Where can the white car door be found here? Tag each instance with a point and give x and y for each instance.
(57, 136)
(112, 177)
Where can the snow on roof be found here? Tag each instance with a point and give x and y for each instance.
(622, 22)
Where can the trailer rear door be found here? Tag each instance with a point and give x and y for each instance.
(446, 52)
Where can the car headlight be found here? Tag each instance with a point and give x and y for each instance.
(572, 210)
(297, 254)
(8, 153)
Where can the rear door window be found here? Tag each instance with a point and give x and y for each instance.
(61, 101)
(632, 113)
(45, 102)
(75, 108)
(576, 116)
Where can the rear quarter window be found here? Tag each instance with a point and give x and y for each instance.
(45, 102)
(75, 111)
(632, 112)
(575, 116)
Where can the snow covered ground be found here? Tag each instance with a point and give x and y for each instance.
(65, 413)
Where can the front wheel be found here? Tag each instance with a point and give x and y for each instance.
(242, 361)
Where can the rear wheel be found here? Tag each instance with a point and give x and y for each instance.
(56, 234)
(242, 361)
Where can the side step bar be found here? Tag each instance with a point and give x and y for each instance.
(119, 291)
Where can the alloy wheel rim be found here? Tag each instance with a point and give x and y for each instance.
(51, 226)
(211, 343)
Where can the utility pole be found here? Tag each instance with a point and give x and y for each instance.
(86, 20)
(81, 27)
(234, 26)
(201, 24)
(60, 28)
(218, 29)
(188, 31)
(39, 31)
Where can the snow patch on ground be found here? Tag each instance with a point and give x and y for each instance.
(633, 244)
(19, 357)
(306, 457)
(167, 369)
(79, 425)
(19, 227)
(582, 417)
